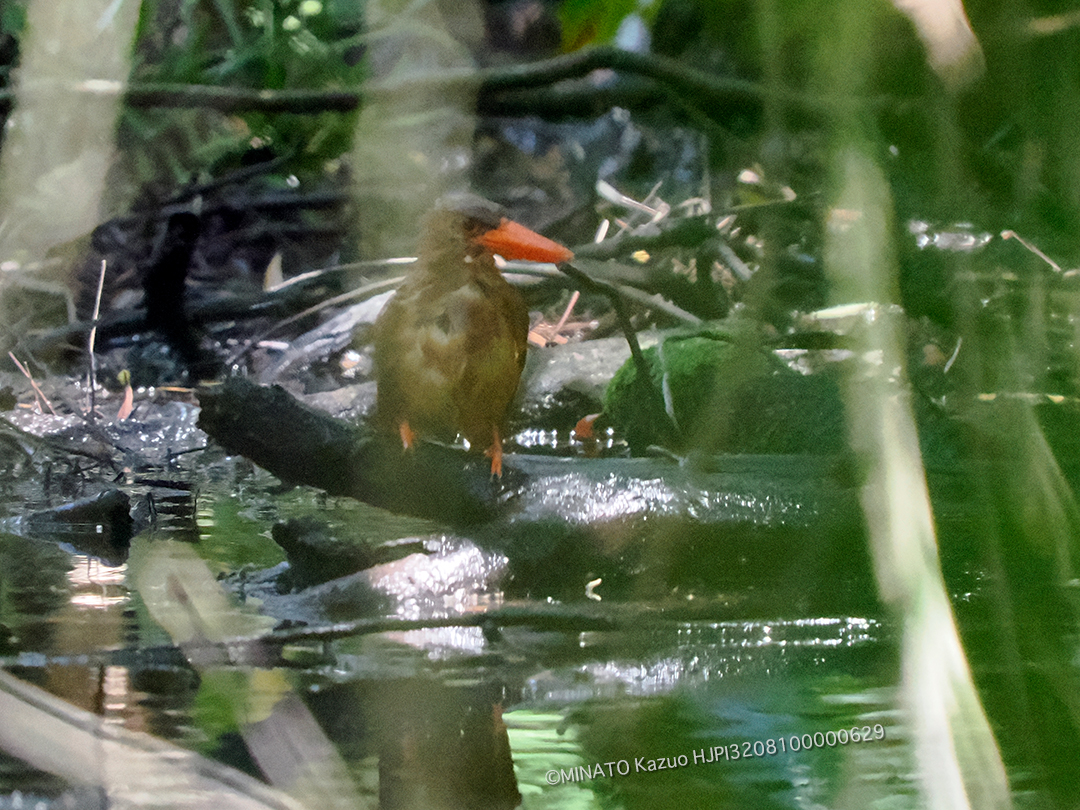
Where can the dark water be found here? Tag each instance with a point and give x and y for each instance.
(659, 712)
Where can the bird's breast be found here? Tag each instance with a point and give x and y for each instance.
(450, 362)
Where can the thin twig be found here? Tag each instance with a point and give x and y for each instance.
(42, 399)
(92, 339)
(618, 304)
(367, 291)
(1014, 235)
(686, 232)
(569, 308)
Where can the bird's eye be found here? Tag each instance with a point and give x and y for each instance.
(475, 228)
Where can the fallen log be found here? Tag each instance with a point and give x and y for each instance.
(301, 445)
(641, 526)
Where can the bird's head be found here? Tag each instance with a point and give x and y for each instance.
(467, 225)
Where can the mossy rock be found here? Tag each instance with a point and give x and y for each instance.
(722, 394)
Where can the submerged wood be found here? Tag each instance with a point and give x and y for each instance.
(100, 526)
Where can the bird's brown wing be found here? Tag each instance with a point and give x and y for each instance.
(495, 343)
(416, 363)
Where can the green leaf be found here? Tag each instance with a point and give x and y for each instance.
(587, 22)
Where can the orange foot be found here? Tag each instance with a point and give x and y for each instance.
(495, 453)
(408, 435)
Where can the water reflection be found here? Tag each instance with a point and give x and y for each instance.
(660, 659)
(731, 743)
(393, 703)
(96, 585)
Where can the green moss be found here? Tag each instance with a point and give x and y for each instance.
(718, 393)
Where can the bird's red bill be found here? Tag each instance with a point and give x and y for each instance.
(513, 241)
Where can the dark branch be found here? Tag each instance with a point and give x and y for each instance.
(497, 86)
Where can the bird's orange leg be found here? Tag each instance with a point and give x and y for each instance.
(408, 435)
(495, 453)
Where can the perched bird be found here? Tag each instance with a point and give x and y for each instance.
(450, 344)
